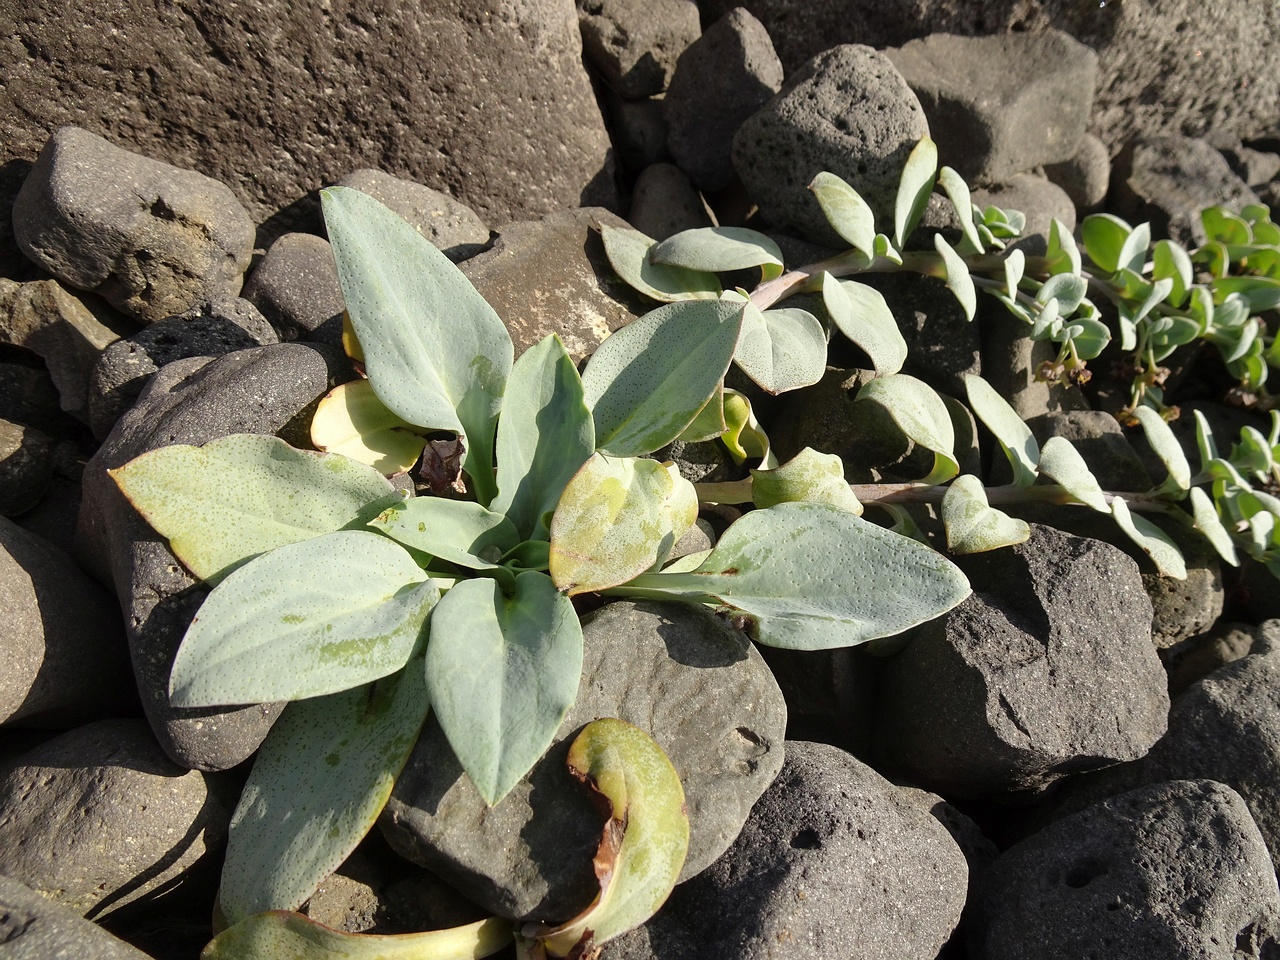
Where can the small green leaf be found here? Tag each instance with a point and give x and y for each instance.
(720, 249)
(809, 576)
(1165, 446)
(646, 382)
(958, 192)
(914, 187)
(1067, 288)
(546, 433)
(1007, 427)
(1104, 237)
(1063, 256)
(959, 281)
(319, 782)
(224, 503)
(502, 672)
(743, 436)
(709, 423)
(1014, 265)
(1155, 543)
(352, 421)
(861, 314)
(1090, 337)
(808, 476)
(280, 935)
(1133, 252)
(920, 414)
(458, 531)
(781, 350)
(628, 252)
(306, 619)
(644, 845)
(1171, 260)
(884, 248)
(1061, 462)
(1224, 226)
(846, 211)
(1208, 523)
(617, 518)
(972, 524)
(1261, 293)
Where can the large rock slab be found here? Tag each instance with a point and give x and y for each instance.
(409, 88)
(679, 673)
(834, 861)
(151, 239)
(1173, 870)
(35, 928)
(635, 43)
(259, 390)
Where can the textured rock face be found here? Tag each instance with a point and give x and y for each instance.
(33, 928)
(634, 43)
(408, 88)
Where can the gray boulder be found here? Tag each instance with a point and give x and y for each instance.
(295, 286)
(451, 226)
(1085, 175)
(26, 467)
(150, 238)
(1170, 871)
(1046, 669)
(66, 663)
(724, 77)
(635, 43)
(98, 817)
(259, 390)
(848, 112)
(33, 927)
(665, 202)
(1001, 105)
(677, 672)
(834, 861)
(637, 128)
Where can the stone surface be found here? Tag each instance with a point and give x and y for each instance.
(407, 88)
(451, 226)
(259, 390)
(208, 330)
(296, 288)
(150, 238)
(1045, 670)
(552, 276)
(28, 397)
(1190, 66)
(1173, 870)
(1098, 437)
(1200, 656)
(834, 861)
(635, 43)
(695, 685)
(26, 467)
(1168, 180)
(1085, 176)
(1004, 104)
(638, 129)
(35, 928)
(665, 202)
(66, 663)
(99, 817)
(848, 112)
(720, 80)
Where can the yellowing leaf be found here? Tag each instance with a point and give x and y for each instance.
(352, 421)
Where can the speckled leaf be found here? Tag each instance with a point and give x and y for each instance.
(546, 433)
(710, 422)
(352, 421)
(1061, 462)
(502, 672)
(320, 779)
(1155, 543)
(280, 935)
(628, 252)
(238, 496)
(645, 841)
(958, 192)
(972, 524)
(846, 211)
(646, 382)
(720, 249)
(458, 531)
(1165, 446)
(307, 619)
(436, 353)
(861, 314)
(809, 576)
(808, 476)
(1210, 524)
(959, 282)
(781, 350)
(920, 414)
(617, 518)
(914, 187)
(1006, 426)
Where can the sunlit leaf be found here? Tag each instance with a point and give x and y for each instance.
(781, 350)
(972, 524)
(958, 192)
(1208, 523)
(1067, 288)
(861, 314)
(914, 186)
(459, 531)
(1013, 435)
(743, 437)
(1224, 226)
(1014, 265)
(1153, 541)
(921, 415)
(808, 476)
(1172, 261)
(628, 252)
(1262, 293)
(720, 249)
(709, 423)
(280, 935)
(846, 211)
(1063, 256)
(352, 421)
(959, 281)
(1165, 446)
(1061, 462)
(1104, 237)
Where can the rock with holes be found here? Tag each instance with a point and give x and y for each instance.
(1171, 871)
(679, 673)
(33, 927)
(99, 816)
(834, 861)
(259, 390)
(634, 43)
(1046, 669)
(152, 239)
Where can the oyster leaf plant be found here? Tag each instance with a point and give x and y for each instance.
(366, 608)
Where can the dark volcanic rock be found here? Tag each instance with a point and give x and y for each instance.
(35, 928)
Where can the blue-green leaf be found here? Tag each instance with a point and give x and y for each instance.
(280, 935)
(809, 476)
(459, 531)
(972, 524)
(1153, 541)
(1061, 462)
(1210, 524)
(846, 211)
(861, 314)
(1172, 261)
(781, 350)
(958, 192)
(1062, 256)
(1165, 446)
(1104, 237)
(921, 415)
(914, 186)
(959, 282)
(628, 252)
(720, 249)
(1013, 435)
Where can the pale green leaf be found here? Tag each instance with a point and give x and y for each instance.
(1208, 523)
(319, 781)
(1171, 260)
(1104, 237)
(1014, 265)
(1061, 462)
(743, 437)
(861, 314)
(781, 350)
(352, 421)
(720, 249)
(914, 186)
(1133, 252)
(646, 382)
(239, 496)
(617, 517)
(846, 211)
(959, 281)
(1205, 443)
(1165, 446)
(809, 576)
(972, 524)
(1013, 435)
(628, 253)
(436, 353)
(921, 415)
(1261, 293)
(306, 619)
(1062, 256)
(291, 936)
(459, 531)
(502, 672)
(958, 192)
(883, 247)
(809, 476)
(1068, 289)
(546, 433)
(1153, 541)
(709, 423)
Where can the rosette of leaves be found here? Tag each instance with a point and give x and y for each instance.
(366, 608)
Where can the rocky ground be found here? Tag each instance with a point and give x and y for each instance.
(1081, 760)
